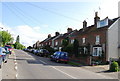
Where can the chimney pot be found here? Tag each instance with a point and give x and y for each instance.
(84, 24)
(57, 33)
(69, 30)
(96, 18)
(49, 35)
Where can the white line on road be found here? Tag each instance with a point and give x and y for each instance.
(43, 62)
(15, 61)
(16, 76)
(64, 72)
(59, 70)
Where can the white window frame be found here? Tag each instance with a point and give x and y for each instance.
(85, 50)
(72, 41)
(83, 40)
(49, 43)
(98, 51)
(56, 43)
(97, 39)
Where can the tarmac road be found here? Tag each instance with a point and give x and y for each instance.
(30, 66)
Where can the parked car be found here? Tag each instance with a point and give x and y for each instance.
(3, 55)
(34, 51)
(60, 57)
(43, 52)
(9, 48)
(37, 52)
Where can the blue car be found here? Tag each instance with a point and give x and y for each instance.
(60, 57)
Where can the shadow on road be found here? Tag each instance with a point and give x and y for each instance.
(43, 60)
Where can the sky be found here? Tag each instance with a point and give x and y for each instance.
(33, 21)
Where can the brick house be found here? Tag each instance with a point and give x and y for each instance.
(93, 41)
(58, 40)
(36, 45)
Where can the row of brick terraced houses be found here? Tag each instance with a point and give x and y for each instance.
(98, 42)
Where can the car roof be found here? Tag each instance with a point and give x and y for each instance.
(60, 52)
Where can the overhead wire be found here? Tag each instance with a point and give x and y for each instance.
(56, 13)
(30, 17)
(14, 13)
(21, 13)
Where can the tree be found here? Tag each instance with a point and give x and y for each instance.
(29, 47)
(65, 42)
(5, 37)
(75, 47)
(69, 49)
(17, 44)
(18, 39)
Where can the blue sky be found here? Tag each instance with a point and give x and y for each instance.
(35, 20)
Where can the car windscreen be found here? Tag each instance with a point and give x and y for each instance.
(64, 54)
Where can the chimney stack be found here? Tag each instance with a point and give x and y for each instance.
(96, 18)
(84, 24)
(69, 30)
(49, 35)
(57, 33)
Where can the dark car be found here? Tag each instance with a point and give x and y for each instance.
(43, 52)
(9, 48)
(60, 57)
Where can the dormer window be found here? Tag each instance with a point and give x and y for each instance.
(102, 23)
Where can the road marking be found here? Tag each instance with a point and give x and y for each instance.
(43, 62)
(16, 67)
(16, 76)
(64, 72)
(59, 70)
(15, 62)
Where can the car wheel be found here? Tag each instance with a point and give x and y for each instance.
(57, 61)
(66, 62)
(5, 62)
(0, 66)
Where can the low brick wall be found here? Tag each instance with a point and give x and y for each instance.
(85, 60)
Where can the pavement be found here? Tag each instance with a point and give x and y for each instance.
(23, 65)
(8, 69)
(102, 69)
(0, 74)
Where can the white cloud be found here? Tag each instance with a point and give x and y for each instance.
(45, 25)
(28, 35)
(109, 8)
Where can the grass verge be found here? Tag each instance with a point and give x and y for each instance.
(74, 63)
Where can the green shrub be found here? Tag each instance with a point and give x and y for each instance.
(114, 67)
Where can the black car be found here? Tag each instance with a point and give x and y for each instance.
(60, 57)
(43, 52)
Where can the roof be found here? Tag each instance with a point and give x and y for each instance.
(64, 35)
(93, 28)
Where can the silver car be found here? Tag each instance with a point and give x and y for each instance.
(3, 56)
